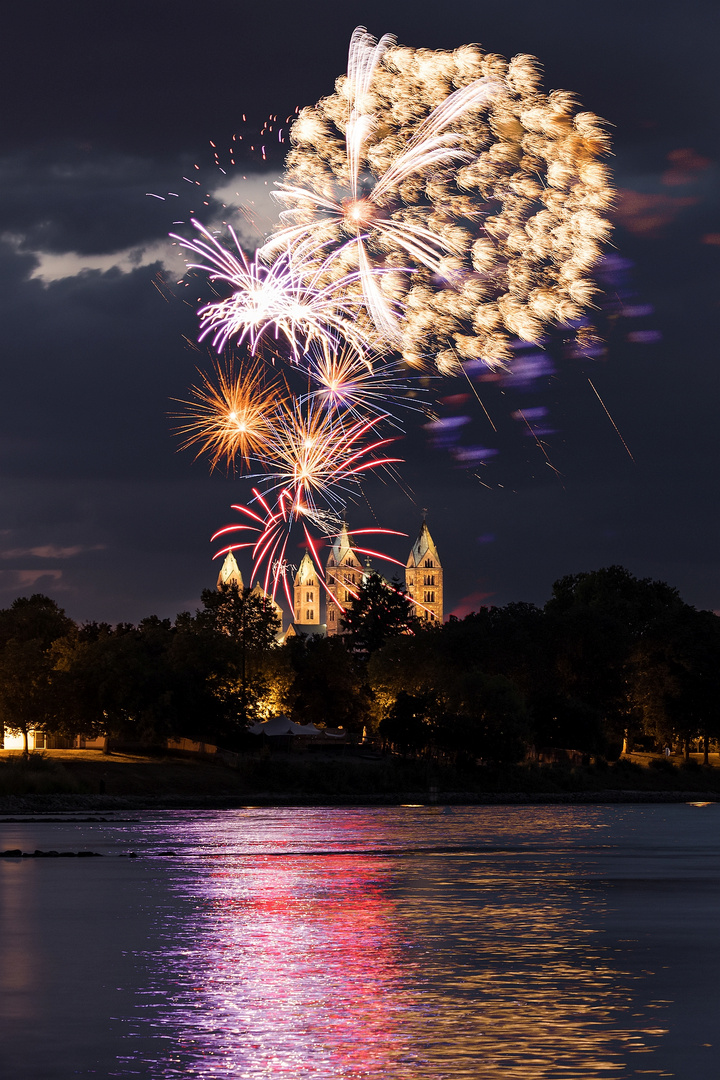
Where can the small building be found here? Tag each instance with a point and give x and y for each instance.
(43, 740)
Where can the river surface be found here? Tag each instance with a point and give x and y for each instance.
(408, 943)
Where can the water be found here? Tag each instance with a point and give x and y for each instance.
(340, 944)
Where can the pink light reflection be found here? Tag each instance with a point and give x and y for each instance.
(297, 972)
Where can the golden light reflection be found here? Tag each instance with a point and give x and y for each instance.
(19, 976)
(365, 956)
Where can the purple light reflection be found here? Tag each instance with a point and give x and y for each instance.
(295, 973)
(387, 944)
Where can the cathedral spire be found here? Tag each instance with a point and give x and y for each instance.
(307, 593)
(343, 573)
(230, 572)
(424, 577)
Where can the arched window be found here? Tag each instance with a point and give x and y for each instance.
(331, 616)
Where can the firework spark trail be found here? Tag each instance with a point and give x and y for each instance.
(482, 403)
(273, 533)
(592, 385)
(540, 446)
(287, 299)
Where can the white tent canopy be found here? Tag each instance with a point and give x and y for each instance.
(282, 725)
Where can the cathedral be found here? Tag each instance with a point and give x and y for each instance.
(344, 572)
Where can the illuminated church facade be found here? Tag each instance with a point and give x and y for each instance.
(344, 573)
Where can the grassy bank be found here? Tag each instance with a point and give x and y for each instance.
(307, 777)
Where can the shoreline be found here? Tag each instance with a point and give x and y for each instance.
(11, 805)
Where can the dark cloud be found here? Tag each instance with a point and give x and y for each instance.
(86, 202)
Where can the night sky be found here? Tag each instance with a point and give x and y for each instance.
(103, 103)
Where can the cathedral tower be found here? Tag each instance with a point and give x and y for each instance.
(424, 577)
(230, 573)
(344, 573)
(307, 594)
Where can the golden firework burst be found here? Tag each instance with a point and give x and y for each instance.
(232, 415)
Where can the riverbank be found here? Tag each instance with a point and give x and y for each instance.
(67, 781)
(15, 807)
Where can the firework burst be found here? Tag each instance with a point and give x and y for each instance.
(296, 298)
(342, 383)
(321, 457)
(232, 415)
(457, 166)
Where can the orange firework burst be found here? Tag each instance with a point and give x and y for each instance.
(232, 416)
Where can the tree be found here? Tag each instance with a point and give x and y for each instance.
(408, 723)
(594, 621)
(330, 684)
(249, 620)
(34, 618)
(674, 677)
(489, 719)
(145, 683)
(380, 611)
(244, 615)
(28, 629)
(25, 690)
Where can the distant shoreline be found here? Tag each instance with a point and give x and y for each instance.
(13, 805)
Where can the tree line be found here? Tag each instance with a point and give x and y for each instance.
(611, 661)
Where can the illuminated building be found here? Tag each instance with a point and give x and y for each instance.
(344, 573)
(424, 577)
(307, 594)
(230, 573)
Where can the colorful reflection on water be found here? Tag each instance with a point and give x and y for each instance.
(359, 944)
